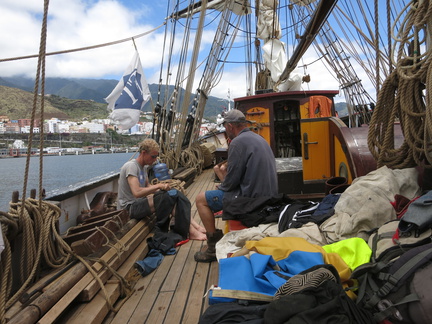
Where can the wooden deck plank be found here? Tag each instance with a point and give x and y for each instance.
(192, 310)
(175, 273)
(146, 303)
(173, 293)
(127, 309)
(213, 279)
(160, 308)
(188, 284)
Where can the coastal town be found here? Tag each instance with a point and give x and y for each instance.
(55, 125)
(60, 131)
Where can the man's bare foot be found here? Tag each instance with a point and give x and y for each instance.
(198, 227)
(201, 229)
(194, 234)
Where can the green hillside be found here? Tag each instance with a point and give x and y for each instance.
(95, 90)
(18, 104)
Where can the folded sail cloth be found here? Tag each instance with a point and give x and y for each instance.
(279, 259)
(366, 204)
(261, 273)
(281, 247)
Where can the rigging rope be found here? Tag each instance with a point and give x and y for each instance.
(401, 97)
(83, 48)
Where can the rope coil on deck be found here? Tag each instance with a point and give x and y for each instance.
(41, 244)
(33, 229)
(191, 157)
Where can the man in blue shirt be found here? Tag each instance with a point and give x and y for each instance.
(251, 172)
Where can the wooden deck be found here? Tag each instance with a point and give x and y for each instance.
(173, 293)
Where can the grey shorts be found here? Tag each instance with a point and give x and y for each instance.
(140, 209)
(214, 199)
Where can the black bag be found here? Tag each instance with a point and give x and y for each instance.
(397, 288)
(315, 296)
(418, 215)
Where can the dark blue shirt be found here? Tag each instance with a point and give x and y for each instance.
(251, 167)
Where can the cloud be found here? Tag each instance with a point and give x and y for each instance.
(75, 24)
(81, 23)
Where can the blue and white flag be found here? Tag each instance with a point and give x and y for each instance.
(129, 96)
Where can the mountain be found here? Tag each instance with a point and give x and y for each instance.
(16, 103)
(86, 98)
(341, 108)
(95, 90)
(86, 89)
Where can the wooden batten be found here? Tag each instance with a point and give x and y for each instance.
(45, 301)
(97, 309)
(60, 306)
(88, 293)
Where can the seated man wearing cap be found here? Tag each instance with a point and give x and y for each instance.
(251, 172)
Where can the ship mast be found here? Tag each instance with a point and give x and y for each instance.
(319, 18)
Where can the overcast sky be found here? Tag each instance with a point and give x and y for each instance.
(81, 23)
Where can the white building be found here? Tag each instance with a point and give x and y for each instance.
(63, 127)
(94, 127)
(53, 125)
(147, 127)
(26, 130)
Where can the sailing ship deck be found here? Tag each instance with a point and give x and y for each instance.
(174, 292)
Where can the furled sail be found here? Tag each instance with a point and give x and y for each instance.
(274, 53)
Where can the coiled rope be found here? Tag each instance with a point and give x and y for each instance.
(33, 229)
(40, 242)
(401, 97)
(191, 157)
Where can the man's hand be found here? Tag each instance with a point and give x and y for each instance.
(164, 186)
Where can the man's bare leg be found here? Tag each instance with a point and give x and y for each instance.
(151, 203)
(207, 253)
(205, 213)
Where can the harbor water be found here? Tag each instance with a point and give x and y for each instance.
(59, 172)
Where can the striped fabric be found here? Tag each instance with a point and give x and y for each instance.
(300, 282)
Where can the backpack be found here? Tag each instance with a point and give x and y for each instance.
(389, 239)
(397, 288)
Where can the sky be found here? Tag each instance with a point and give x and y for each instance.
(81, 23)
